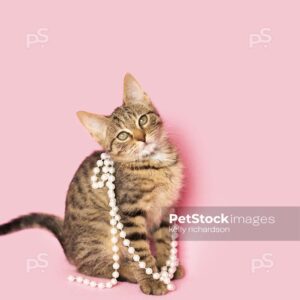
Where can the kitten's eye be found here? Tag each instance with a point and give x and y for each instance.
(143, 120)
(123, 136)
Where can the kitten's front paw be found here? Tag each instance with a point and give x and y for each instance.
(153, 287)
(180, 272)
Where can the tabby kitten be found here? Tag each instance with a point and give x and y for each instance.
(148, 175)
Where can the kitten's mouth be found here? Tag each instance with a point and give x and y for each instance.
(148, 150)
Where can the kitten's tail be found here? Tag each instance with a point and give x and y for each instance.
(53, 223)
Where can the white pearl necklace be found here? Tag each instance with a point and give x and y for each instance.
(107, 179)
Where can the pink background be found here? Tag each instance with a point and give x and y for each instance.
(233, 110)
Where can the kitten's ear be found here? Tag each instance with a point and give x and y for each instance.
(95, 124)
(133, 92)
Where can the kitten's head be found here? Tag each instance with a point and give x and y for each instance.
(134, 131)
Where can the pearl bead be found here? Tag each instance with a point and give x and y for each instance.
(101, 285)
(115, 274)
(126, 242)
(155, 276)
(172, 270)
(164, 268)
(112, 204)
(99, 163)
(79, 279)
(108, 285)
(116, 266)
(117, 217)
(113, 200)
(96, 170)
(115, 208)
(104, 156)
(105, 169)
(93, 283)
(114, 281)
(142, 264)
(113, 231)
(173, 250)
(164, 274)
(136, 257)
(123, 234)
(170, 287)
(113, 222)
(111, 170)
(110, 185)
(173, 264)
(116, 257)
(112, 213)
(104, 177)
(100, 184)
(95, 185)
(94, 178)
(166, 280)
(71, 278)
(148, 271)
(111, 178)
(114, 240)
(131, 250)
(111, 194)
(115, 248)
(174, 244)
(86, 281)
(120, 226)
(174, 235)
(107, 162)
(173, 257)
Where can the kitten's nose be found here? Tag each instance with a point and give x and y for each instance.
(139, 135)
